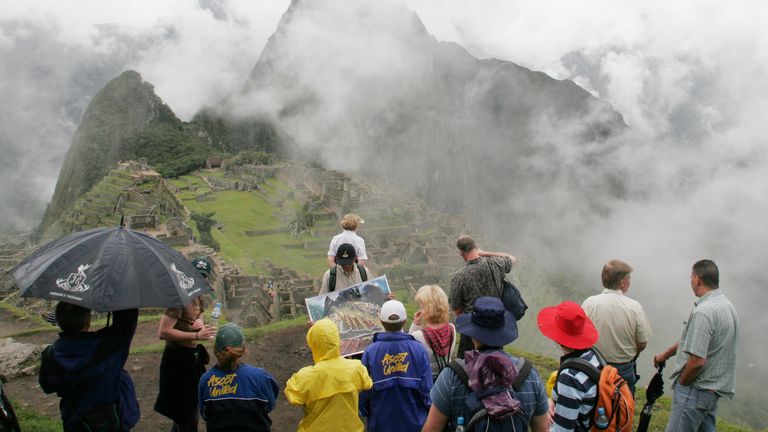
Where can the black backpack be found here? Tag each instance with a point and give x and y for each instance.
(475, 416)
(8, 420)
(332, 277)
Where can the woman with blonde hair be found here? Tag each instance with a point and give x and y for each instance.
(349, 223)
(431, 327)
(234, 395)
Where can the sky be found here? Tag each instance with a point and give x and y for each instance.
(690, 78)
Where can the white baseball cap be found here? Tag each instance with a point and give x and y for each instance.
(392, 311)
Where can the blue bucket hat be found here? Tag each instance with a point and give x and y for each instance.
(489, 323)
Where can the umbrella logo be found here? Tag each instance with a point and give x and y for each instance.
(76, 281)
(185, 281)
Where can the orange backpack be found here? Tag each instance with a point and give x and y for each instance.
(613, 393)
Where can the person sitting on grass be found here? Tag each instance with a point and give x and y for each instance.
(235, 396)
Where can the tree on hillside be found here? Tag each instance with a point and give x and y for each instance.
(205, 222)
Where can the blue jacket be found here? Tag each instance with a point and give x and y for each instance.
(238, 400)
(402, 378)
(85, 369)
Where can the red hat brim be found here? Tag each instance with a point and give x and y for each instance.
(547, 321)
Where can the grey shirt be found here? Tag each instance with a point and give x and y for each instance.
(479, 277)
(712, 333)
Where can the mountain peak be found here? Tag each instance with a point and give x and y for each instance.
(125, 106)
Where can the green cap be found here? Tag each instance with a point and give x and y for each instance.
(228, 335)
(202, 265)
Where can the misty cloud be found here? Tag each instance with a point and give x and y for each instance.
(690, 79)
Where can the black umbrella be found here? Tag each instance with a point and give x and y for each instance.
(654, 391)
(109, 269)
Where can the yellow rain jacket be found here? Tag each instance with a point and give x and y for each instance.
(329, 389)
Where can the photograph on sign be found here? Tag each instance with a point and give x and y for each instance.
(355, 310)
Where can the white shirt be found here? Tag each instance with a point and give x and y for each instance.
(620, 322)
(352, 238)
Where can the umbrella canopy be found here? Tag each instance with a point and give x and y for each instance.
(109, 269)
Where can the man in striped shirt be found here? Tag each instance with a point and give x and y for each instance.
(574, 394)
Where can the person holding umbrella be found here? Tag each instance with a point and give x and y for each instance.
(85, 369)
(184, 359)
(116, 270)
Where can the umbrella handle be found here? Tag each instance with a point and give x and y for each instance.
(122, 218)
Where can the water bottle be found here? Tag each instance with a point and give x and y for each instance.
(215, 315)
(460, 424)
(602, 420)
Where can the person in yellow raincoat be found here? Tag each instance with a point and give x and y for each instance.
(329, 389)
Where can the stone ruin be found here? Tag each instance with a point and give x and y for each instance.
(404, 237)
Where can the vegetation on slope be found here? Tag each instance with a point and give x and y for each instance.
(171, 150)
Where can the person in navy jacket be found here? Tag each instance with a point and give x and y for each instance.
(234, 396)
(85, 369)
(402, 377)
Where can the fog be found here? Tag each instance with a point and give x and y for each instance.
(689, 77)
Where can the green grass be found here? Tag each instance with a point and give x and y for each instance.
(23, 314)
(257, 332)
(30, 420)
(238, 212)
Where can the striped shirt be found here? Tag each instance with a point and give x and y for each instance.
(449, 394)
(574, 396)
(712, 333)
(620, 322)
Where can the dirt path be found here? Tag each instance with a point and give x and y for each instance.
(281, 353)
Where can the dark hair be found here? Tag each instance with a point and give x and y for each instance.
(707, 271)
(72, 318)
(466, 244)
(393, 327)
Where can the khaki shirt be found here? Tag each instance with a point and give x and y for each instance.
(344, 280)
(620, 322)
(712, 333)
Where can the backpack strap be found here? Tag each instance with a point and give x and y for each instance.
(363, 273)
(458, 369)
(332, 280)
(332, 277)
(522, 374)
(582, 366)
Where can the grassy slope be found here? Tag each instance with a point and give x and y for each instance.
(243, 211)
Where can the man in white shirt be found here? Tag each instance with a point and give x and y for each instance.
(620, 321)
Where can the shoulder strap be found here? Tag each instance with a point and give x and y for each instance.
(460, 372)
(583, 366)
(363, 274)
(332, 279)
(522, 374)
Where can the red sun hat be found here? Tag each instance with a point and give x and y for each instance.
(568, 325)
